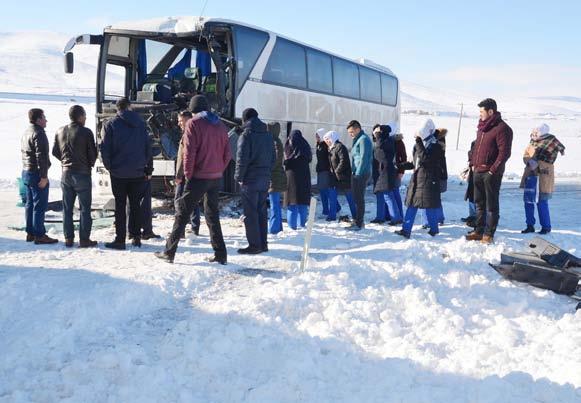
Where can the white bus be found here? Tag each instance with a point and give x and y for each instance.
(160, 64)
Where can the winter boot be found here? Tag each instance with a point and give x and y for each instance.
(377, 221)
(117, 245)
(87, 243)
(474, 236)
(136, 241)
(544, 231)
(164, 256)
(29, 238)
(487, 239)
(150, 235)
(218, 259)
(403, 233)
(529, 229)
(250, 250)
(69, 242)
(44, 240)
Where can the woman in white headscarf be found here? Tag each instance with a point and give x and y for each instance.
(424, 187)
(539, 158)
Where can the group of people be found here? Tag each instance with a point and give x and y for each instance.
(270, 171)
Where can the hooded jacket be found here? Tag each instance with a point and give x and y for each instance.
(384, 153)
(340, 166)
(206, 148)
(126, 147)
(256, 154)
(424, 187)
(74, 146)
(34, 148)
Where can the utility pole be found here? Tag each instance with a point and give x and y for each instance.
(459, 124)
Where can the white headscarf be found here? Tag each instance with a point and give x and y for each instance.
(540, 132)
(426, 133)
(331, 135)
(321, 132)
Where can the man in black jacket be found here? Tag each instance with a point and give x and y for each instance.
(74, 146)
(255, 159)
(126, 152)
(35, 165)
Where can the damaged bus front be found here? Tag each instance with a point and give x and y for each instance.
(160, 66)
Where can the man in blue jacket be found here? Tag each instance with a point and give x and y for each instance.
(361, 158)
(254, 162)
(126, 152)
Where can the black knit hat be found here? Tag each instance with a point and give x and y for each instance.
(198, 104)
(248, 114)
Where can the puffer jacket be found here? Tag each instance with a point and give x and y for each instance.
(424, 187)
(34, 147)
(340, 165)
(256, 154)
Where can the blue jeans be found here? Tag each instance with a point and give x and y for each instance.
(333, 203)
(382, 211)
(195, 217)
(391, 200)
(471, 209)
(530, 197)
(275, 218)
(297, 213)
(410, 217)
(439, 216)
(36, 204)
(398, 201)
(73, 185)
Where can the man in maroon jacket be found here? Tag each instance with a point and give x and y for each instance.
(490, 153)
(206, 153)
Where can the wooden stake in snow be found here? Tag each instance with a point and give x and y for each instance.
(311, 220)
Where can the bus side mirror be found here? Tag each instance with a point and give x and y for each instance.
(69, 63)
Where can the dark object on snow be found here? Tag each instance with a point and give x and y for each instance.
(544, 265)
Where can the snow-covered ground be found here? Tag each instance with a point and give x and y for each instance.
(374, 318)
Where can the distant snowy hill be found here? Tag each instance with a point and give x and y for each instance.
(32, 62)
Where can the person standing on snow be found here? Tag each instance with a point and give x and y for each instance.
(323, 170)
(183, 118)
(206, 154)
(126, 153)
(539, 158)
(400, 162)
(278, 184)
(74, 146)
(491, 151)
(340, 168)
(382, 212)
(35, 164)
(424, 187)
(254, 162)
(361, 160)
(384, 153)
(297, 157)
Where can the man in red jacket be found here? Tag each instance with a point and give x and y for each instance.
(206, 155)
(491, 151)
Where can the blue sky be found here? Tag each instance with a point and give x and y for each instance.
(489, 47)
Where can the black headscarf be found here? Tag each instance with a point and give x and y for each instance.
(297, 147)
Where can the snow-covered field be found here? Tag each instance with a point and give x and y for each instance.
(374, 318)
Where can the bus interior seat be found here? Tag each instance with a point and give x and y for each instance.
(159, 90)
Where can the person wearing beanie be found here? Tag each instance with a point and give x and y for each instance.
(539, 159)
(206, 154)
(278, 183)
(424, 187)
(340, 170)
(255, 160)
(126, 153)
(491, 152)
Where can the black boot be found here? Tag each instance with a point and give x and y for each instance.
(136, 242)
(117, 245)
(163, 256)
(250, 250)
(218, 259)
(529, 229)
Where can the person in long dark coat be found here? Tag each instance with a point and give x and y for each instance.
(298, 155)
(386, 183)
(424, 187)
(322, 168)
(382, 211)
(441, 136)
(340, 168)
(278, 184)
(468, 174)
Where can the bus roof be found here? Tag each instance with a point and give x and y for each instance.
(189, 24)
